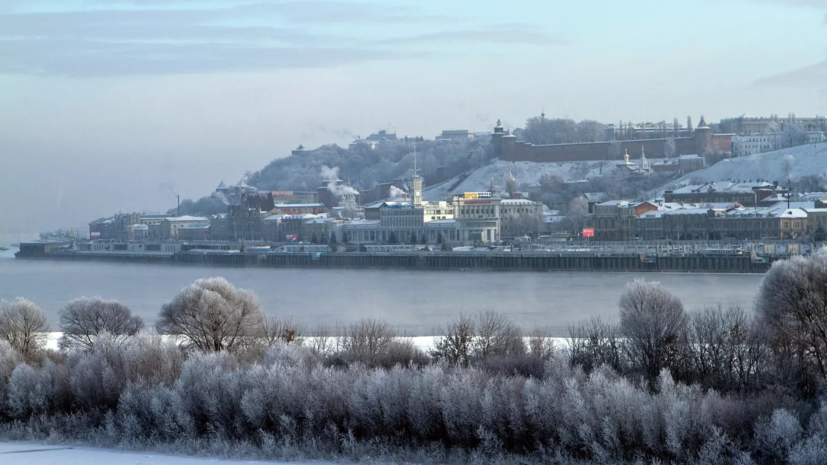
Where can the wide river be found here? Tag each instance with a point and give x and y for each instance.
(416, 302)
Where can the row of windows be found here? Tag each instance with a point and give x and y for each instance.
(401, 235)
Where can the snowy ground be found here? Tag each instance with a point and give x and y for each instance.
(807, 160)
(523, 171)
(32, 453)
(425, 343)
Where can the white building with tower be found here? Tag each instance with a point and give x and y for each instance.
(471, 218)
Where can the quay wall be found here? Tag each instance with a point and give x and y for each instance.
(449, 261)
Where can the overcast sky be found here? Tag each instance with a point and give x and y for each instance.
(119, 105)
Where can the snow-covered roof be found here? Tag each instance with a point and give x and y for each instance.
(375, 204)
(299, 205)
(186, 218)
(221, 185)
(614, 203)
(319, 220)
(304, 216)
(725, 186)
(517, 202)
(653, 214)
(774, 211)
(794, 213)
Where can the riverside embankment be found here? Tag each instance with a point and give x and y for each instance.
(512, 261)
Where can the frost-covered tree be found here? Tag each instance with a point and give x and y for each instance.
(652, 319)
(590, 131)
(366, 339)
(792, 136)
(84, 319)
(593, 343)
(496, 334)
(281, 331)
(212, 315)
(792, 301)
(204, 206)
(457, 341)
(576, 213)
(521, 224)
(23, 325)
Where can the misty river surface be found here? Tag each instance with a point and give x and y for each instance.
(416, 302)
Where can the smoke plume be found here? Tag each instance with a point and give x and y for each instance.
(397, 193)
(336, 186)
(329, 174)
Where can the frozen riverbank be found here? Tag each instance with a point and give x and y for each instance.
(34, 453)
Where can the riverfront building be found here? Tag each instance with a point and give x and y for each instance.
(621, 220)
(471, 218)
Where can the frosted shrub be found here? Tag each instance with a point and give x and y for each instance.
(209, 389)
(818, 422)
(811, 451)
(371, 395)
(9, 360)
(460, 405)
(149, 358)
(776, 436)
(21, 392)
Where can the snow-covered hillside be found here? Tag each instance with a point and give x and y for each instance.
(524, 172)
(807, 160)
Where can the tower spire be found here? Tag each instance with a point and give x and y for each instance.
(416, 185)
(644, 165)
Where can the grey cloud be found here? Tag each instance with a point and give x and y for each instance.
(497, 36)
(12, 27)
(339, 12)
(114, 41)
(295, 11)
(814, 76)
(80, 58)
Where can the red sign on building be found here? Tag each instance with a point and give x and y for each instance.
(588, 232)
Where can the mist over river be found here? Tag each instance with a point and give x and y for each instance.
(416, 302)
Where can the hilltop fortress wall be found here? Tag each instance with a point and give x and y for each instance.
(507, 147)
